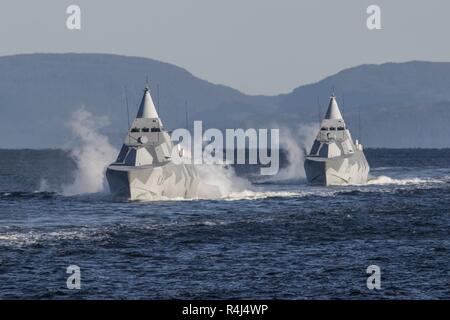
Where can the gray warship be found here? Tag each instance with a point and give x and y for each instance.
(335, 159)
(144, 169)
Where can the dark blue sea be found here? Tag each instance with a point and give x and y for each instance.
(286, 240)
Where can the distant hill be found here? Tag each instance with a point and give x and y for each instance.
(396, 105)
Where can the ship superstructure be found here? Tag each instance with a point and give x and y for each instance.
(335, 158)
(144, 168)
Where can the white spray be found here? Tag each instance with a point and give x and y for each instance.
(92, 153)
(296, 143)
(216, 181)
(220, 182)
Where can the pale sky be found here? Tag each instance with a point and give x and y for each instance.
(255, 46)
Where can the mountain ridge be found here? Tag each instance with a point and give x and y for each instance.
(38, 93)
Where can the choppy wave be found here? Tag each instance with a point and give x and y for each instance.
(385, 180)
(112, 232)
(258, 191)
(233, 196)
(36, 237)
(265, 192)
(255, 195)
(27, 194)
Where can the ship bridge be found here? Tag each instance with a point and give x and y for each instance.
(335, 158)
(334, 138)
(147, 142)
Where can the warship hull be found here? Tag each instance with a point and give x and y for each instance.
(343, 170)
(152, 182)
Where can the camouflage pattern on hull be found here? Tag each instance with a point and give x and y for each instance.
(144, 168)
(337, 171)
(149, 182)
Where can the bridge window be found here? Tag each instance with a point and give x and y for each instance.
(135, 130)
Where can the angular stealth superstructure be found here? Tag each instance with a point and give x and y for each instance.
(144, 168)
(334, 158)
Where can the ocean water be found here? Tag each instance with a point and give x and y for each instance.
(282, 239)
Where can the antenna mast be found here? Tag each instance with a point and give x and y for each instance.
(359, 122)
(319, 109)
(343, 104)
(128, 113)
(186, 113)
(157, 97)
